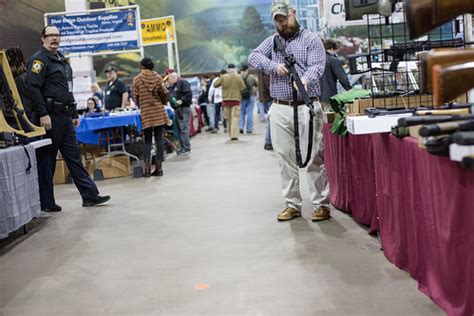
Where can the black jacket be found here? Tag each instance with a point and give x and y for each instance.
(49, 76)
(181, 90)
(332, 73)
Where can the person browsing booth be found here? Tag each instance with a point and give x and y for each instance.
(309, 54)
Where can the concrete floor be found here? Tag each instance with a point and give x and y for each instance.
(203, 240)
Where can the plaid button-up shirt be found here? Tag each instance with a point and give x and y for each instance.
(310, 57)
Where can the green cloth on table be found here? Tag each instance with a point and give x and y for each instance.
(338, 103)
(339, 100)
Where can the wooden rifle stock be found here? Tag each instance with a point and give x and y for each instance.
(422, 16)
(451, 81)
(448, 9)
(444, 112)
(444, 57)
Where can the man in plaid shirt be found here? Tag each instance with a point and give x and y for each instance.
(309, 54)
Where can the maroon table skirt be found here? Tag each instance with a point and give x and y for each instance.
(423, 206)
(350, 166)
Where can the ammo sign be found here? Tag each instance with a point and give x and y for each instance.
(154, 30)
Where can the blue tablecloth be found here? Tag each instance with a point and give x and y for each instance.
(86, 130)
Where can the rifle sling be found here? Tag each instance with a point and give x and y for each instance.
(299, 159)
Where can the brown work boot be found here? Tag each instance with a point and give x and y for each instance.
(321, 214)
(288, 213)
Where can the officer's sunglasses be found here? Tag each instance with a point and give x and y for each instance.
(52, 35)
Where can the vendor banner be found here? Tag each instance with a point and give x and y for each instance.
(154, 30)
(97, 31)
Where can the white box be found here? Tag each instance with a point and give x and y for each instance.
(359, 125)
(458, 152)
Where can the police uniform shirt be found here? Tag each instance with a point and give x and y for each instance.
(49, 76)
(113, 94)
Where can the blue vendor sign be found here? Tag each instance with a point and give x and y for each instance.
(97, 31)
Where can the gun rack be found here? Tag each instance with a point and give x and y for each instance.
(4, 125)
(391, 59)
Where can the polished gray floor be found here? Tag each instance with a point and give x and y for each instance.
(203, 240)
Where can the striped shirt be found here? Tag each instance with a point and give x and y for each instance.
(310, 57)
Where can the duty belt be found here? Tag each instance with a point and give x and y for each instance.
(57, 107)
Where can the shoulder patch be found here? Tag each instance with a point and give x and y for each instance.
(37, 66)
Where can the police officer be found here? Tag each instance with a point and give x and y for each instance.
(49, 82)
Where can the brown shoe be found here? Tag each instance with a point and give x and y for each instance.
(288, 213)
(321, 214)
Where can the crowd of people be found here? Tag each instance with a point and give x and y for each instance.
(45, 86)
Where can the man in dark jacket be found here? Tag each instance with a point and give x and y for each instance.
(332, 73)
(181, 98)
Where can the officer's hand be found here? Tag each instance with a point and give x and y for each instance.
(179, 102)
(45, 121)
(76, 122)
(281, 70)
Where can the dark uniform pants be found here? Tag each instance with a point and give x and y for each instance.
(63, 136)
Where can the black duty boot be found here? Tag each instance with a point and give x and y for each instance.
(95, 200)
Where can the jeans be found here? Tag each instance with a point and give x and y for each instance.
(246, 114)
(268, 137)
(203, 107)
(211, 113)
(182, 119)
(218, 114)
(261, 111)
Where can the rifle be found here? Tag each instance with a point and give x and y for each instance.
(431, 119)
(399, 50)
(451, 81)
(397, 53)
(422, 16)
(10, 104)
(444, 57)
(468, 162)
(463, 138)
(290, 62)
(375, 112)
(446, 128)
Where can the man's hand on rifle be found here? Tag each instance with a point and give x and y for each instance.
(45, 121)
(282, 70)
(305, 84)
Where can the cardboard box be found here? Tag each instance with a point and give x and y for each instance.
(114, 167)
(61, 173)
(89, 164)
(360, 125)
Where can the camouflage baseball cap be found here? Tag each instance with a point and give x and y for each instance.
(281, 7)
